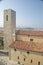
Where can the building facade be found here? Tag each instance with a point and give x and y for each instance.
(30, 35)
(26, 53)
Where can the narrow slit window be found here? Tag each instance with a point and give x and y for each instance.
(18, 62)
(24, 59)
(38, 63)
(18, 57)
(31, 39)
(27, 52)
(6, 17)
(31, 61)
(15, 49)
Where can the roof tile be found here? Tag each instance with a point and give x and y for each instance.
(30, 32)
(32, 46)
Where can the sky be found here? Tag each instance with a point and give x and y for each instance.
(29, 13)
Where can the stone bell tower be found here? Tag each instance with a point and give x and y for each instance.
(9, 27)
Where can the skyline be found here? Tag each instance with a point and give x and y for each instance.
(29, 13)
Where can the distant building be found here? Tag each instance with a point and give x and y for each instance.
(30, 35)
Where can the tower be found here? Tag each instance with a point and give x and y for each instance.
(9, 27)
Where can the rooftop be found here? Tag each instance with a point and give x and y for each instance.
(28, 46)
(30, 32)
(26, 32)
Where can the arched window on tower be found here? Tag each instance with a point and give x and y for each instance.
(6, 17)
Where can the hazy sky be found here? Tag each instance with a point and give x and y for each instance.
(29, 13)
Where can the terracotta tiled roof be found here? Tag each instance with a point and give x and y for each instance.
(30, 32)
(30, 46)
